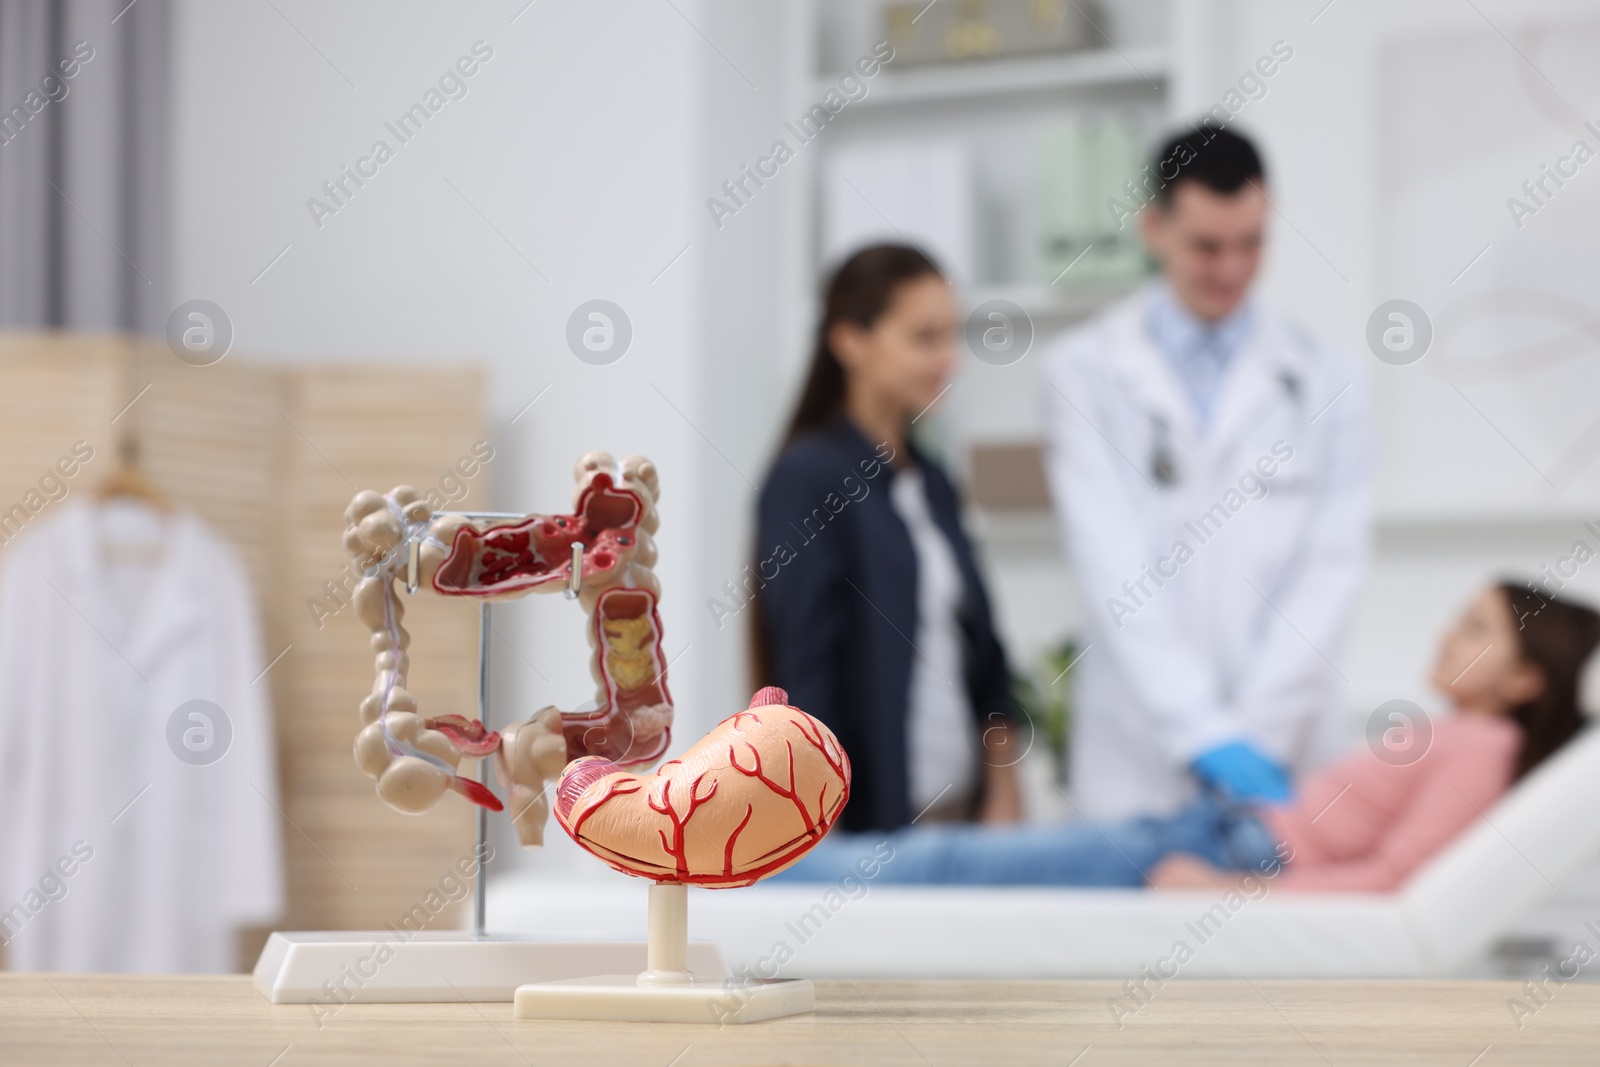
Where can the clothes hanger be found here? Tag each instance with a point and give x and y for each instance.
(130, 482)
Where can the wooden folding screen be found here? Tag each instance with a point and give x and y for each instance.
(270, 452)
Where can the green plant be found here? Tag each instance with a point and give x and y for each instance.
(1043, 694)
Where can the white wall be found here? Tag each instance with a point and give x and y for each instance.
(1396, 134)
(582, 143)
(1400, 131)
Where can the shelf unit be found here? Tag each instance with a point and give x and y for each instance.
(1052, 306)
(1090, 69)
(995, 108)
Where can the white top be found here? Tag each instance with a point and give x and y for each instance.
(941, 736)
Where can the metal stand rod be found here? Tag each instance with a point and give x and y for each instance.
(480, 901)
(485, 633)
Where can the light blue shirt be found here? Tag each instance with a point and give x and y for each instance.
(1198, 351)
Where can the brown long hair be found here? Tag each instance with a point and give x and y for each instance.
(1557, 636)
(859, 291)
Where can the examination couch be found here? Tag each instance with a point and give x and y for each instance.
(1444, 920)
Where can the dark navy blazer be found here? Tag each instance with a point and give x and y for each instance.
(839, 607)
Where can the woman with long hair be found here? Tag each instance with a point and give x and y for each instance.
(1510, 670)
(871, 612)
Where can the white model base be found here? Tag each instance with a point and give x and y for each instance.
(327, 969)
(669, 990)
(622, 998)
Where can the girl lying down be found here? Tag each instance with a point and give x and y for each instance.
(1509, 669)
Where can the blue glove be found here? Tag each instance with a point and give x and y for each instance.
(1242, 773)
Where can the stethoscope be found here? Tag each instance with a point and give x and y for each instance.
(1163, 460)
(1163, 467)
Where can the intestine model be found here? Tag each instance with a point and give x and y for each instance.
(602, 553)
(748, 799)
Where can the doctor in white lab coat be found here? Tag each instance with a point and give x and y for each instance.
(1211, 464)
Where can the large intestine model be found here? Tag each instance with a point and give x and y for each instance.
(747, 800)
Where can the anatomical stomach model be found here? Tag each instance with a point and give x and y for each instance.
(744, 802)
(750, 798)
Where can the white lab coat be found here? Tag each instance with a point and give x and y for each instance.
(1241, 640)
(178, 856)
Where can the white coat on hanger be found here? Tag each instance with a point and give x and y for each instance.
(98, 648)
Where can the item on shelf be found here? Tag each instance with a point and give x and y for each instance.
(921, 192)
(1090, 187)
(965, 30)
(601, 555)
(1010, 477)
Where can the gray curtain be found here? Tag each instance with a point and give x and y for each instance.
(83, 163)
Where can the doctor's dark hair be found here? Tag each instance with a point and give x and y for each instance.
(1557, 636)
(1216, 158)
(859, 291)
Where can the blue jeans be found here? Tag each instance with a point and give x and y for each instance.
(1078, 853)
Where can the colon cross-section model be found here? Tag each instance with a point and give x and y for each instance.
(744, 802)
(416, 759)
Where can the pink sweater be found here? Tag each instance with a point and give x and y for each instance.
(1366, 825)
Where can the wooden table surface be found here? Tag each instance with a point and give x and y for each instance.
(65, 1020)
